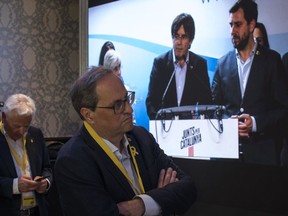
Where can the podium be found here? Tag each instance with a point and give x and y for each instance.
(197, 138)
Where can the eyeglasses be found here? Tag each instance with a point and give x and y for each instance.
(180, 37)
(119, 106)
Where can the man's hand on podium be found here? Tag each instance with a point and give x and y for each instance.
(245, 124)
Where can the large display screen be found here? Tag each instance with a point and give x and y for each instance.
(141, 30)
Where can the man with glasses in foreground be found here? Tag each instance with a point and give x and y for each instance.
(179, 77)
(112, 167)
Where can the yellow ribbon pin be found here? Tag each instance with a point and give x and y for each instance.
(133, 151)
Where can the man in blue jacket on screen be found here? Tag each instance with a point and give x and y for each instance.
(250, 82)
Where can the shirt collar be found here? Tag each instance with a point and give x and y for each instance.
(124, 144)
(3, 131)
(252, 53)
(174, 58)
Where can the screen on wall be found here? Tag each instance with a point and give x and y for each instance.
(141, 30)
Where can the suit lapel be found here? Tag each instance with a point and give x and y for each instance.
(109, 164)
(189, 77)
(235, 78)
(254, 75)
(6, 156)
(140, 163)
(31, 153)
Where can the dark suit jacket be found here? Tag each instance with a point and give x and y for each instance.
(265, 96)
(196, 89)
(39, 163)
(285, 62)
(90, 184)
(284, 153)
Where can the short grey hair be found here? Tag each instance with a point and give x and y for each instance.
(20, 103)
(112, 59)
(83, 92)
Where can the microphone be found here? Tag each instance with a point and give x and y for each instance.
(220, 109)
(196, 111)
(163, 97)
(167, 87)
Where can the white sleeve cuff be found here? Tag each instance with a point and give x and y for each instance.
(152, 208)
(254, 126)
(15, 186)
(48, 184)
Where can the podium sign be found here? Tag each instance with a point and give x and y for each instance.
(197, 138)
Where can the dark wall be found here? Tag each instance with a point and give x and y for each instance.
(234, 188)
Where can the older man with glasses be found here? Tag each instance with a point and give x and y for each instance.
(112, 167)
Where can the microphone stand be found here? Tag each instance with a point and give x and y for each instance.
(168, 85)
(163, 97)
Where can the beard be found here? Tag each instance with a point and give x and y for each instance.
(242, 42)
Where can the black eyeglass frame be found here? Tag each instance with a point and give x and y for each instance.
(120, 105)
(180, 37)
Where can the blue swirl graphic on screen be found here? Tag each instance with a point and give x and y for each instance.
(149, 46)
(146, 45)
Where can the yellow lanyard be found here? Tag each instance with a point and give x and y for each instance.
(22, 164)
(110, 154)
